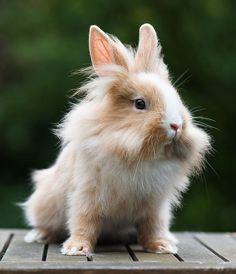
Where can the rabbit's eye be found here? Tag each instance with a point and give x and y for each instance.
(139, 104)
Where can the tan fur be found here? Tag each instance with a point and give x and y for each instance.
(119, 165)
(85, 229)
(119, 101)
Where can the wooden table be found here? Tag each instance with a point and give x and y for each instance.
(198, 253)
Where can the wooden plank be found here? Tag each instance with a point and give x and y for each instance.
(111, 254)
(190, 250)
(223, 245)
(5, 238)
(54, 255)
(144, 256)
(116, 268)
(19, 251)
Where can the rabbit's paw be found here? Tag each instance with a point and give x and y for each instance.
(38, 235)
(160, 245)
(76, 247)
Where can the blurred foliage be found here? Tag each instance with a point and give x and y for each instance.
(42, 42)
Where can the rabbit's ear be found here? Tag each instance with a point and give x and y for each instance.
(104, 50)
(147, 48)
(148, 56)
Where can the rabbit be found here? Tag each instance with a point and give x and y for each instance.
(127, 152)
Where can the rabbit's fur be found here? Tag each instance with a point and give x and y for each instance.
(118, 164)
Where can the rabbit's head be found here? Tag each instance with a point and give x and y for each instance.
(139, 113)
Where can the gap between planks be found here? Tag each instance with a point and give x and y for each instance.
(222, 244)
(211, 249)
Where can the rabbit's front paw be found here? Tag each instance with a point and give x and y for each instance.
(160, 245)
(76, 247)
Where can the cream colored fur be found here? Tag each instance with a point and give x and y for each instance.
(103, 176)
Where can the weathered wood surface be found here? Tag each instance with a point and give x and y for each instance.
(223, 245)
(198, 253)
(19, 251)
(53, 254)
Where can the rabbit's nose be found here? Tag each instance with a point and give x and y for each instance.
(174, 126)
(175, 129)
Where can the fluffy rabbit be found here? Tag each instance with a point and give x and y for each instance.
(127, 151)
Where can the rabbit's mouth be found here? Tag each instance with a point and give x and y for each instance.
(169, 136)
(178, 148)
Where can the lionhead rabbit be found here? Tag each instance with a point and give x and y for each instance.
(127, 151)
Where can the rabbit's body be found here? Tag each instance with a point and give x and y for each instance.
(119, 163)
(119, 192)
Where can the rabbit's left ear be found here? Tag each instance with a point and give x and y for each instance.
(104, 50)
(147, 48)
(148, 56)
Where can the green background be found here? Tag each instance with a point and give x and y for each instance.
(43, 42)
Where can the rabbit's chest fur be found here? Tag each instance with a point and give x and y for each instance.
(123, 192)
